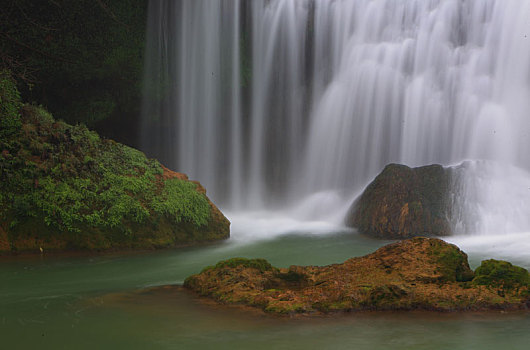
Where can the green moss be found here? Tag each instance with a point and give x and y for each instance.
(501, 274)
(330, 306)
(258, 264)
(181, 201)
(284, 307)
(207, 268)
(452, 261)
(341, 305)
(69, 179)
(292, 276)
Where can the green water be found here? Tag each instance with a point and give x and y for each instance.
(104, 302)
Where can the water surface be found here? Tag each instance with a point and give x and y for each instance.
(83, 302)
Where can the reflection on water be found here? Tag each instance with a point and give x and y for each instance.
(107, 302)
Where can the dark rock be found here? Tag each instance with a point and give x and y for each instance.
(404, 202)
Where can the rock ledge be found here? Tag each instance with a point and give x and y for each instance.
(415, 274)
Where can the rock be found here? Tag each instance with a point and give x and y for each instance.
(217, 227)
(404, 202)
(414, 274)
(64, 188)
(501, 274)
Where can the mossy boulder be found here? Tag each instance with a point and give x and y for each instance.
(502, 275)
(414, 274)
(62, 187)
(404, 202)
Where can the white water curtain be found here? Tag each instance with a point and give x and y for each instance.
(269, 101)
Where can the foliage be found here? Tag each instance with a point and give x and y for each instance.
(81, 59)
(71, 179)
(181, 200)
(10, 104)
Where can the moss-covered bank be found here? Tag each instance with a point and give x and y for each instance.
(415, 274)
(63, 187)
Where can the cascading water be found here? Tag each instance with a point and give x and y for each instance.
(268, 102)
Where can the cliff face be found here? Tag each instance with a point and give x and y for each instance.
(404, 202)
(63, 187)
(420, 273)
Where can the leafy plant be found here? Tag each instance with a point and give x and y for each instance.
(73, 180)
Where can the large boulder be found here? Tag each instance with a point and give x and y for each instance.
(419, 273)
(404, 202)
(62, 187)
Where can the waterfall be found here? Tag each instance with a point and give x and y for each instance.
(269, 102)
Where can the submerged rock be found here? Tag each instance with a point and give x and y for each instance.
(404, 202)
(414, 274)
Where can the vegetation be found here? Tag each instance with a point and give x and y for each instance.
(258, 264)
(81, 59)
(10, 104)
(453, 265)
(414, 274)
(501, 274)
(72, 181)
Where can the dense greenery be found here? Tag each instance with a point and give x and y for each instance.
(70, 179)
(81, 59)
(9, 106)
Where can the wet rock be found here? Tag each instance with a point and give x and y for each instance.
(404, 202)
(414, 274)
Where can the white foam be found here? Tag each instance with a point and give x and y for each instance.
(260, 225)
(513, 247)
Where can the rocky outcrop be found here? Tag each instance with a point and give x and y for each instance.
(62, 187)
(404, 202)
(415, 274)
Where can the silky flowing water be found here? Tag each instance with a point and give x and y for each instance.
(289, 108)
(106, 302)
(272, 103)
